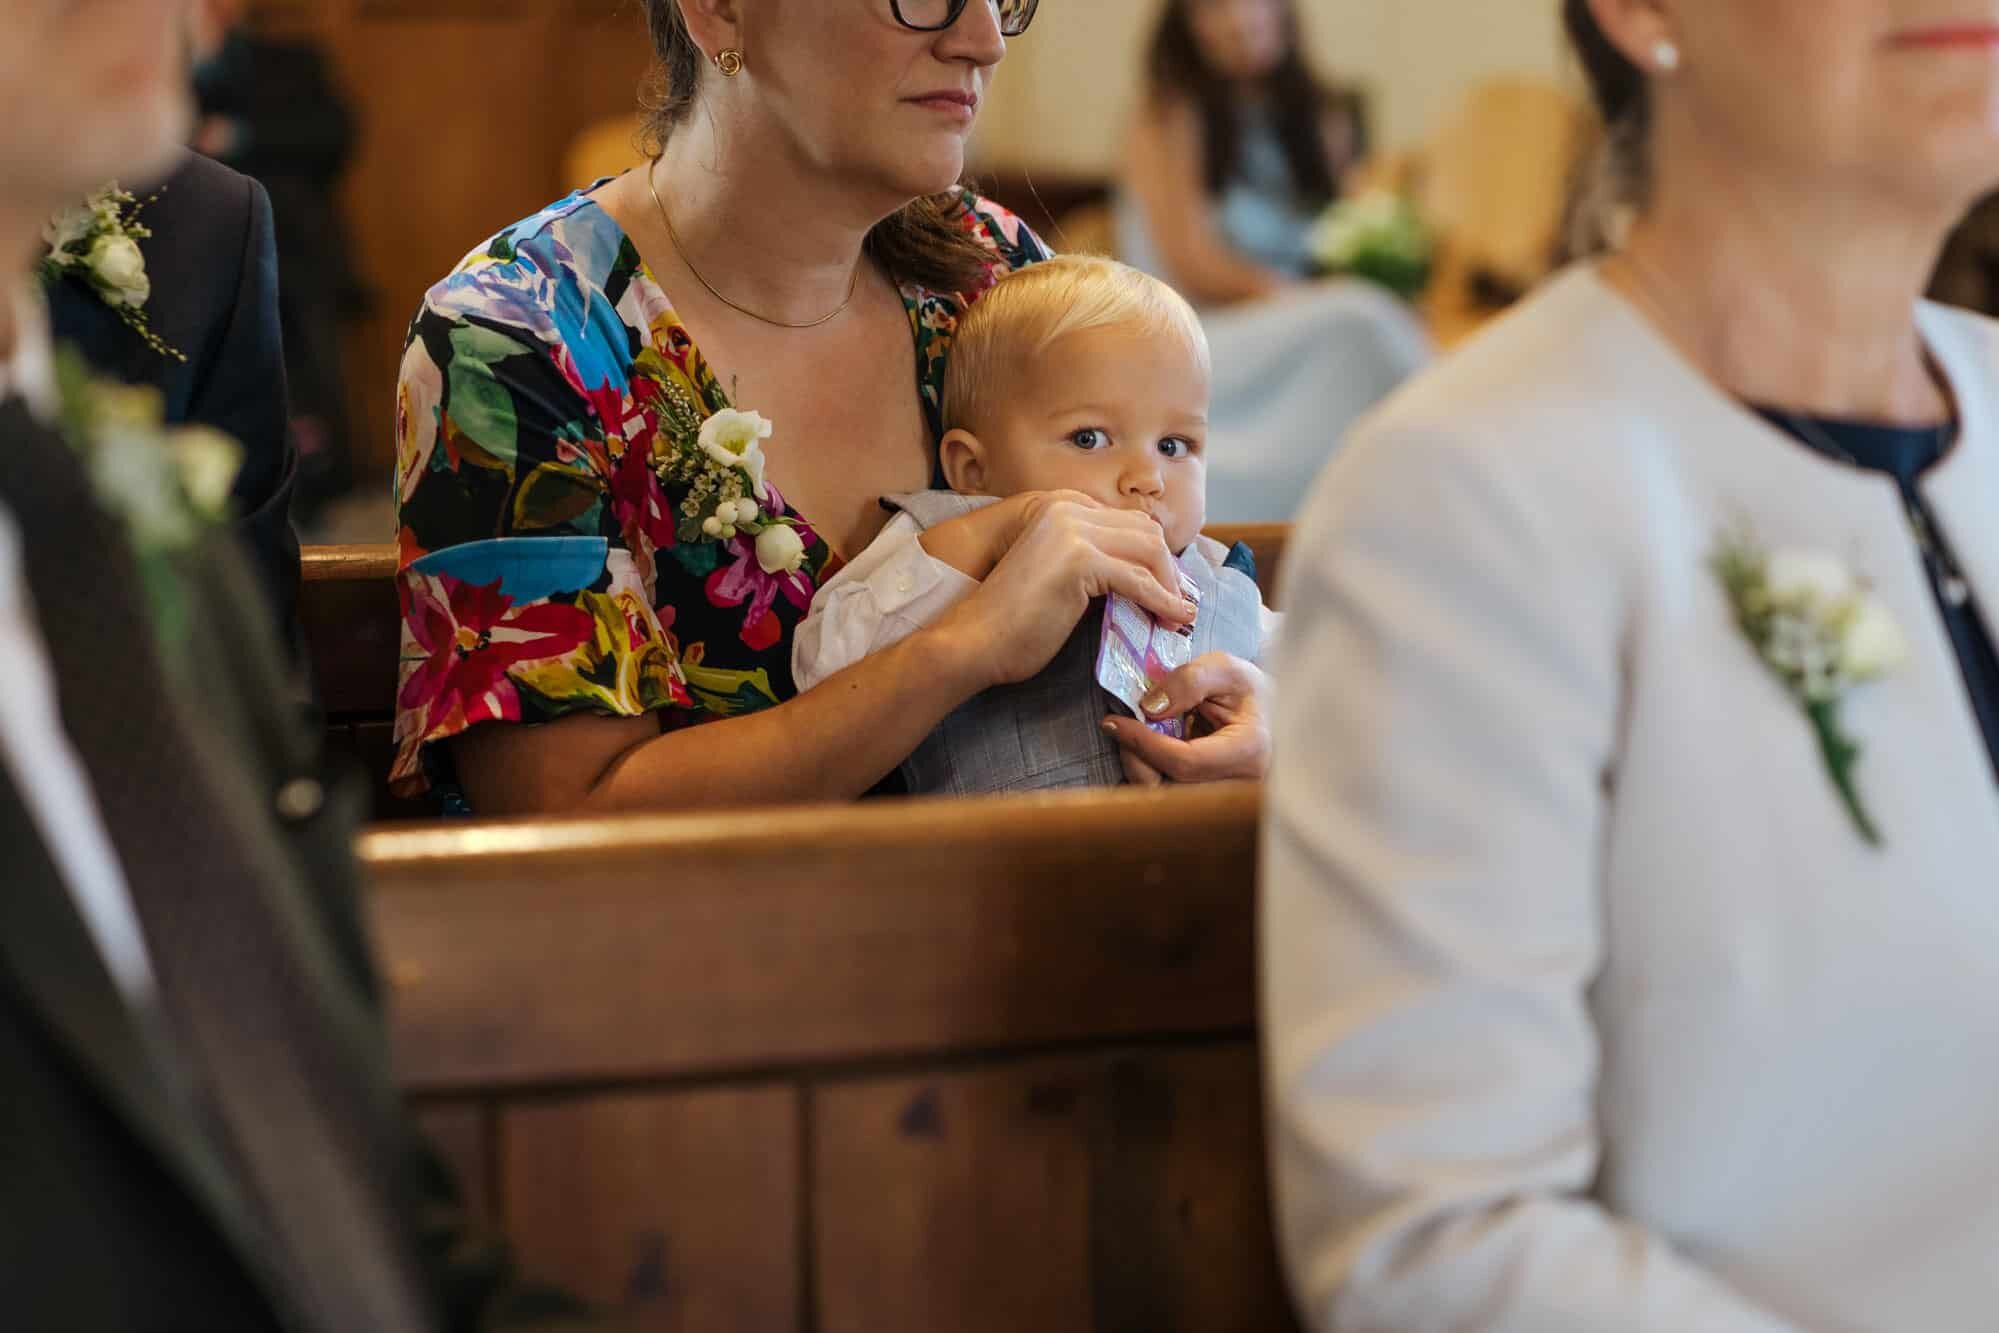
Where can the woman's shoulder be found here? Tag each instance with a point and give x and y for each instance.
(1572, 347)
(525, 272)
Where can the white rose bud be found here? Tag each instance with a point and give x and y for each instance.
(1871, 644)
(119, 269)
(1808, 579)
(780, 550)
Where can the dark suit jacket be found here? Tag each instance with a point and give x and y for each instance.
(213, 264)
(117, 1211)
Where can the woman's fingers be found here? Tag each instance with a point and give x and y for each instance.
(1236, 752)
(1123, 553)
(1212, 676)
(1139, 773)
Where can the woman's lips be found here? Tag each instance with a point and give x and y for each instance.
(1947, 37)
(948, 102)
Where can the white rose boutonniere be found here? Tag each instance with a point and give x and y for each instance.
(97, 243)
(118, 269)
(1821, 632)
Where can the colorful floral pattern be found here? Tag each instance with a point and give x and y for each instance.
(540, 570)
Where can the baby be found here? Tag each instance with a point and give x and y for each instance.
(1078, 374)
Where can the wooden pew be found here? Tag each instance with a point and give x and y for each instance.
(347, 604)
(897, 1067)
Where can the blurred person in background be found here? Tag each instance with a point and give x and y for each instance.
(211, 268)
(272, 110)
(1239, 147)
(199, 1129)
(1630, 938)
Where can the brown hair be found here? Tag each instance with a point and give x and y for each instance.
(1178, 69)
(925, 241)
(1621, 176)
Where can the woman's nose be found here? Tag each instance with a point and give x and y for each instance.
(976, 36)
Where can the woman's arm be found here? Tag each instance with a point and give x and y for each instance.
(1431, 917)
(838, 740)
(1163, 173)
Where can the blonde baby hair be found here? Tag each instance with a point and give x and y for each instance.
(1025, 312)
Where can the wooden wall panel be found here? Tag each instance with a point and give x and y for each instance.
(678, 1210)
(465, 108)
(1121, 1193)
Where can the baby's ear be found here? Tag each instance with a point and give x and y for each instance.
(963, 459)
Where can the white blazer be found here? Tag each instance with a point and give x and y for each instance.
(1587, 1008)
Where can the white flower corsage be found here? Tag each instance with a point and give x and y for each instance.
(722, 467)
(97, 243)
(167, 484)
(1821, 632)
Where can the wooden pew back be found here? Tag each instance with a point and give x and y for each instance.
(897, 1067)
(348, 608)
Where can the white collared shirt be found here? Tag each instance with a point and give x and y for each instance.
(36, 752)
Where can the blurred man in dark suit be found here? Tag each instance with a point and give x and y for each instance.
(198, 1129)
(213, 265)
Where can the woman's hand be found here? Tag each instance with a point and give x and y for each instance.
(1226, 694)
(1056, 551)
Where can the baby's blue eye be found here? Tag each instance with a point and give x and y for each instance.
(1089, 437)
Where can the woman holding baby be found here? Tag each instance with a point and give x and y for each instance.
(1631, 920)
(639, 429)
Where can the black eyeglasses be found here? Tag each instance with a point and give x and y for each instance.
(937, 15)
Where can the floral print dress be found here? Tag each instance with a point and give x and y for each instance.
(542, 567)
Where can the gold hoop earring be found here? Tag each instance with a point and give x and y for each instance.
(730, 62)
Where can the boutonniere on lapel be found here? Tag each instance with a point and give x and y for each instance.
(1821, 632)
(721, 465)
(97, 244)
(168, 485)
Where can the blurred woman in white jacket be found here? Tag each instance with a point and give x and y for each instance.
(1631, 918)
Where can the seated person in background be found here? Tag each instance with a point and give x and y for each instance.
(212, 268)
(1080, 379)
(1237, 150)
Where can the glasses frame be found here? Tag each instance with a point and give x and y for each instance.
(957, 10)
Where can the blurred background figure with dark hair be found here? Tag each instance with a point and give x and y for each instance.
(1237, 149)
(270, 109)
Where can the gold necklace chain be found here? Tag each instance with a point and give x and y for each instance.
(853, 283)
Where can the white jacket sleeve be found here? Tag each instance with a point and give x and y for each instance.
(1431, 915)
(892, 589)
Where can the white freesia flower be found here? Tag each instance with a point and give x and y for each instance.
(208, 462)
(780, 550)
(119, 269)
(1871, 644)
(69, 227)
(735, 439)
(1810, 580)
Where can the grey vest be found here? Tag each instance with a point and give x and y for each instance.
(1047, 731)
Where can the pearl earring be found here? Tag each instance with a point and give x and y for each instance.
(1665, 56)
